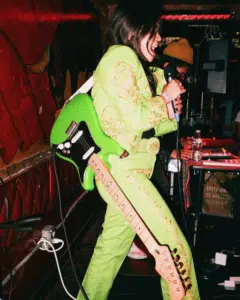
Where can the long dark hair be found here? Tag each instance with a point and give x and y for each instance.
(130, 20)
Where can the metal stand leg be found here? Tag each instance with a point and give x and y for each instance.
(171, 185)
(195, 229)
(198, 207)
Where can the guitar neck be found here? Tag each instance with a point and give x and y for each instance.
(102, 174)
(164, 262)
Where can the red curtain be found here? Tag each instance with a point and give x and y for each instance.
(27, 107)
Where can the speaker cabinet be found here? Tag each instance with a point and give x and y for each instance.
(218, 53)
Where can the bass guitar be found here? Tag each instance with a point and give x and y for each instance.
(78, 138)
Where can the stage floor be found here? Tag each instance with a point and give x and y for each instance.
(137, 279)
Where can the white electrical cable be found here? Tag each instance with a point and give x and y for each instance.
(44, 247)
(43, 242)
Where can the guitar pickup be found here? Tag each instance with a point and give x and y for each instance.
(88, 153)
(77, 136)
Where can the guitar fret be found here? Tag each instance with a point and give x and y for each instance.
(136, 223)
(139, 229)
(105, 179)
(130, 215)
(111, 187)
(149, 242)
(144, 236)
(118, 198)
(125, 207)
(114, 191)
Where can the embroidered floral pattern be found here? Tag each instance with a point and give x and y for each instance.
(153, 146)
(124, 104)
(146, 172)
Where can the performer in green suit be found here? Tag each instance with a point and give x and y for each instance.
(131, 98)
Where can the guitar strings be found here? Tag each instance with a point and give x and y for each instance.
(84, 143)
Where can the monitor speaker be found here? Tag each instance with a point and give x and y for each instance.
(218, 53)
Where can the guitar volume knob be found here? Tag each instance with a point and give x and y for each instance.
(60, 147)
(67, 145)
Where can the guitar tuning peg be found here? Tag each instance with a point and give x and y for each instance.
(180, 265)
(183, 272)
(177, 258)
(187, 278)
(188, 286)
(174, 251)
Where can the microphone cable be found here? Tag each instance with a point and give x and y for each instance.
(63, 224)
(181, 198)
(170, 73)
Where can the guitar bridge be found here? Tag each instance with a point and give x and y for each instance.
(72, 128)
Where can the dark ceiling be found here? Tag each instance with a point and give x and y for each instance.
(194, 30)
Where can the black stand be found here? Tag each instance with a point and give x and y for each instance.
(24, 225)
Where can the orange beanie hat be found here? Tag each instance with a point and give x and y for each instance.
(181, 50)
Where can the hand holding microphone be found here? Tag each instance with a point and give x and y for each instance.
(171, 95)
(172, 91)
(178, 105)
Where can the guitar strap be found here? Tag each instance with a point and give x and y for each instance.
(84, 89)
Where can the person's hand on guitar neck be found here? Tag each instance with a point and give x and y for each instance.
(172, 91)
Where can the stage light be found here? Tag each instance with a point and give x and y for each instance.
(46, 17)
(197, 16)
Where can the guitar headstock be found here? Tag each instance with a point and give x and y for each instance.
(168, 268)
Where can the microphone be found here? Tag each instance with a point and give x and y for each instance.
(170, 73)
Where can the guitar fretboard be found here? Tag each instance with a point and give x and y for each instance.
(164, 262)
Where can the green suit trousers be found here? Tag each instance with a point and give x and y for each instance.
(113, 244)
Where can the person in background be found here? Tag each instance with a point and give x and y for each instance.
(178, 54)
(131, 98)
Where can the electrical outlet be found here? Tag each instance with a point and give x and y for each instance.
(220, 259)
